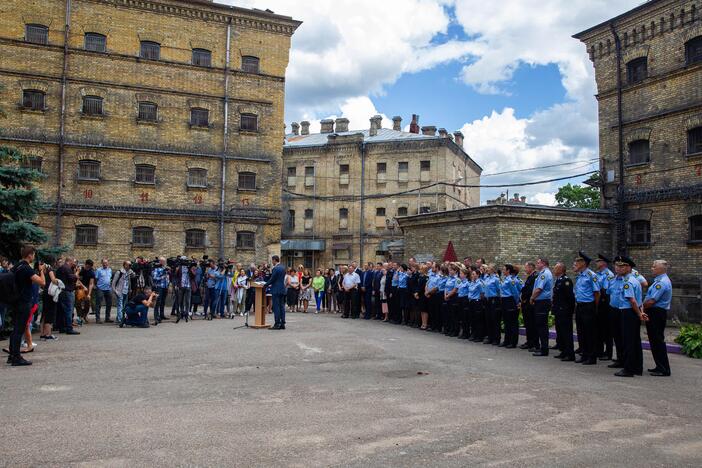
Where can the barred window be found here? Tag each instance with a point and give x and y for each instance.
(33, 99)
(309, 213)
(249, 122)
(247, 181)
(694, 141)
(639, 152)
(696, 228)
(195, 238)
(86, 235)
(693, 50)
(343, 218)
(89, 170)
(245, 240)
(148, 112)
(36, 34)
(197, 177)
(291, 220)
(145, 174)
(309, 176)
(143, 236)
(403, 172)
(199, 117)
(95, 42)
(250, 64)
(292, 176)
(402, 211)
(92, 105)
(640, 232)
(150, 50)
(344, 177)
(32, 162)
(380, 212)
(424, 165)
(202, 57)
(637, 70)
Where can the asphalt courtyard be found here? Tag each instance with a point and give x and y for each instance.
(332, 392)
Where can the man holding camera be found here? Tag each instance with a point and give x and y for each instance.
(184, 281)
(137, 311)
(160, 283)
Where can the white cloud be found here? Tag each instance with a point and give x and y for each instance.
(543, 198)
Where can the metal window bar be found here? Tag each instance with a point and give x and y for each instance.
(197, 178)
(245, 240)
(639, 152)
(150, 50)
(195, 238)
(95, 42)
(86, 235)
(143, 237)
(250, 64)
(199, 117)
(694, 141)
(89, 170)
(146, 174)
(148, 112)
(202, 58)
(249, 122)
(36, 34)
(92, 105)
(33, 100)
(247, 181)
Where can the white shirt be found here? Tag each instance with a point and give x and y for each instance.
(351, 280)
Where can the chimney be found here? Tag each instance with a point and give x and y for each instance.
(397, 123)
(523, 199)
(414, 125)
(458, 135)
(327, 126)
(443, 133)
(342, 125)
(429, 130)
(305, 127)
(295, 128)
(376, 123)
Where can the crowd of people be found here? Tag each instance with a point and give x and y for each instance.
(469, 300)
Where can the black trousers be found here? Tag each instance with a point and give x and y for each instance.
(528, 316)
(655, 327)
(615, 328)
(444, 315)
(404, 305)
(541, 310)
(477, 319)
(355, 303)
(586, 313)
(564, 332)
(604, 334)
(347, 303)
(493, 318)
(464, 316)
(377, 305)
(20, 316)
(631, 339)
(435, 302)
(454, 311)
(510, 316)
(394, 306)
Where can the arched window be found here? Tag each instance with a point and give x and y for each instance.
(197, 177)
(89, 170)
(694, 141)
(245, 240)
(143, 236)
(249, 122)
(33, 99)
(95, 42)
(693, 50)
(637, 70)
(148, 112)
(199, 117)
(32, 162)
(36, 34)
(150, 50)
(640, 232)
(639, 152)
(145, 174)
(92, 105)
(195, 238)
(86, 234)
(247, 181)
(202, 58)
(250, 64)
(696, 228)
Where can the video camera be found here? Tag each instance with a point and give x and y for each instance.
(176, 262)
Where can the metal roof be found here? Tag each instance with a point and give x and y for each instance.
(384, 134)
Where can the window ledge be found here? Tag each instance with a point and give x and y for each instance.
(694, 155)
(151, 184)
(642, 245)
(637, 165)
(201, 128)
(694, 242)
(29, 110)
(142, 246)
(88, 181)
(249, 132)
(152, 123)
(92, 117)
(245, 248)
(85, 245)
(195, 247)
(198, 188)
(246, 190)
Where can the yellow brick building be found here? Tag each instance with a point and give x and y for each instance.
(343, 190)
(158, 123)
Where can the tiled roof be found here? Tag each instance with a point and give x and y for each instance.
(384, 134)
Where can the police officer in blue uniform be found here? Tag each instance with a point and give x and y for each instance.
(492, 304)
(604, 329)
(630, 308)
(510, 290)
(614, 289)
(587, 295)
(656, 305)
(541, 300)
(563, 309)
(528, 308)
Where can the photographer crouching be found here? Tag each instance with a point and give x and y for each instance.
(137, 311)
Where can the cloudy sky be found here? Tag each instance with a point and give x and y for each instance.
(508, 74)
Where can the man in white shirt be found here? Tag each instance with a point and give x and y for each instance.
(351, 283)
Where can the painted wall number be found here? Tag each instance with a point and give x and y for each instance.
(144, 197)
(245, 202)
(198, 199)
(638, 180)
(698, 171)
(87, 193)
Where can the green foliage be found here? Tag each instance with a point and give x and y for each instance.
(691, 340)
(578, 196)
(551, 320)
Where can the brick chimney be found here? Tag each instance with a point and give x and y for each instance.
(295, 128)
(458, 138)
(327, 126)
(429, 130)
(414, 125)
(376, 123)
(397, 123)
(305, 125)
(342, 125)
(443, 133)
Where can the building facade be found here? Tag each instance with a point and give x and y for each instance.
(343, 190)
(648, 68)
(158, 123)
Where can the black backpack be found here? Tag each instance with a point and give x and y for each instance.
(9, 292)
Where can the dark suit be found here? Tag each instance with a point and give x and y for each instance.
(532, 337)
(563, 309)
(277, 285)
(367, 284)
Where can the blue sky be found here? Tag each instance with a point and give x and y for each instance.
(508, 74)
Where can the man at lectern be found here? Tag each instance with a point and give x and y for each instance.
(277, 284)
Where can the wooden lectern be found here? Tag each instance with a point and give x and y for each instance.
(259, 309)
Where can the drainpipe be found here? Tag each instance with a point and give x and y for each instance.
(62, 129)
(363, 202)
(225, 136)
(621, 208)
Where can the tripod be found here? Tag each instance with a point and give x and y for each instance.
(246, 322)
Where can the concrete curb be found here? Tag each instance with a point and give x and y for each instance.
(672, 347)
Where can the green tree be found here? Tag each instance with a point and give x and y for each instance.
(578, 196)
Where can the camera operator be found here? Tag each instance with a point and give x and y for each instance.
(184, 282)
(220, 290)
(160, 276)
(210, 283)
(137, 311)
(121, 286)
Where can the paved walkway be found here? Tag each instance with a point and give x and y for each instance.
(332, 392)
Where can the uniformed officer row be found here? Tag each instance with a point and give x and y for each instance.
(479, 303)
